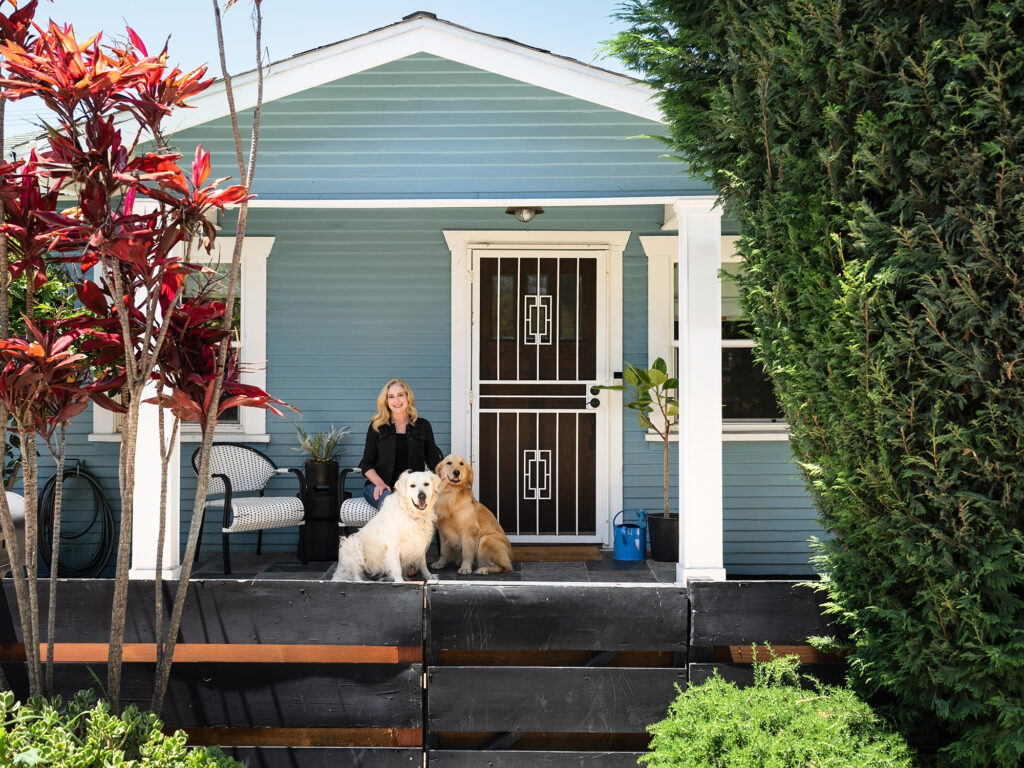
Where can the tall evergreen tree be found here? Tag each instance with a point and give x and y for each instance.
(872, 153)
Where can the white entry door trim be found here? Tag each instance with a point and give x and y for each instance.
(463, 244)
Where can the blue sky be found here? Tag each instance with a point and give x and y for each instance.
(573, 28)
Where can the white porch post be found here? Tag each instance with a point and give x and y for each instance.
(146, 519)
(700, 392)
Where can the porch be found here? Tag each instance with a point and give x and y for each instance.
(602, 569)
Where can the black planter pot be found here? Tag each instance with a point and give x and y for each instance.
(664, 533)
(320, 473)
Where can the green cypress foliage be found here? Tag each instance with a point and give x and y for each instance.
(871, 150)
(783, 720)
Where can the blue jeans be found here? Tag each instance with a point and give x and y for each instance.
(368, 495)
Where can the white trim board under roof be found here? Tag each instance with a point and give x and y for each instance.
(424, 33)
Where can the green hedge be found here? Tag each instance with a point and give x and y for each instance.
(871, 151)
(82, 733)
(775, 723)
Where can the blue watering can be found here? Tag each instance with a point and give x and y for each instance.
(630, 538)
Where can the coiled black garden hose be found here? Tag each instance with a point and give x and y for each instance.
(101, 514)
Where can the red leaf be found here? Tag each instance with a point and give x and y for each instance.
(107, 403)
(137, 41)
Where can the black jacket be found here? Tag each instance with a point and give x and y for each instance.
(379, 453)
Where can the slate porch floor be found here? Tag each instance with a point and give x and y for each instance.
(286, 565)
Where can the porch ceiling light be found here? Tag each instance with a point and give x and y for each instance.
(524, 214)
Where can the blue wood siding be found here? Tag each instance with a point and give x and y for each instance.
(356, 297)
(423, 126)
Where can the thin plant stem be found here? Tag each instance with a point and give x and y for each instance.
(58, 499)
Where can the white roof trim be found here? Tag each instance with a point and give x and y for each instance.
(439, 38)
(466, 202)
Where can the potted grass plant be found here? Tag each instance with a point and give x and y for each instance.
(654, 400)
(323, 449)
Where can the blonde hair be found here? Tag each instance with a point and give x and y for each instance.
(383, 414)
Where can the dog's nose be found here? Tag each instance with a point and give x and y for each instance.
(422, 496)
(455, 474)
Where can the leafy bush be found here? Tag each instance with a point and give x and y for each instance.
(83, 732)
(774, 724)
(873, 153)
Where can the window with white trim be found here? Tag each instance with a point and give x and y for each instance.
(246, 424)
(749, 408)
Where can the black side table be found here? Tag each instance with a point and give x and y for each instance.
(318, 536)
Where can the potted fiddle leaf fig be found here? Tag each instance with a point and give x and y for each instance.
(652, 394)
(323, 449)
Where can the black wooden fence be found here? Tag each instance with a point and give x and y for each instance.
(311, 674)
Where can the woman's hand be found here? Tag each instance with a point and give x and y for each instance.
(378, 488)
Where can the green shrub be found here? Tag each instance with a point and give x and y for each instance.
(873, 153)
(773, 724)
(82, 733)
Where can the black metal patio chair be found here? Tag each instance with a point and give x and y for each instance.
(241, 474)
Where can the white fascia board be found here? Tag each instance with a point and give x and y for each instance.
(460, 202)
(349, 57)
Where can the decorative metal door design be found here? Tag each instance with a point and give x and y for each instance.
(539, 348)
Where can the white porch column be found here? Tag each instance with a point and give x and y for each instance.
(146, 519)
(700, 392)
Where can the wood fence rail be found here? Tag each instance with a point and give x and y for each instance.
(294, 673)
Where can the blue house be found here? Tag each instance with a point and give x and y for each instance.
(492, 223)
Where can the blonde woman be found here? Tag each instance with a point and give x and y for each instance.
(397, 439)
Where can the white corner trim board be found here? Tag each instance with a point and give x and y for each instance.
(439, 38)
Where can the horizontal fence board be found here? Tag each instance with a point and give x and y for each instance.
(270, 695)
(325, 757)
(97, 653)
(571, 699)
(743, 674)
(745, 612)
(556, 617)
(370, 738)
(530, 759)
(244, 612)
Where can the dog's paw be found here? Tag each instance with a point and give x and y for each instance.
(465, 568)
(439, 565)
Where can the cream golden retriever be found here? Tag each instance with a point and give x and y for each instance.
(396, 538)
(467, 526)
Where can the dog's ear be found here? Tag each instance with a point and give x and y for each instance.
(469, 475)
(437, 469)
(402, 483)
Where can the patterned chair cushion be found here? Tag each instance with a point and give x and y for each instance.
(356, 512)
(254, 513)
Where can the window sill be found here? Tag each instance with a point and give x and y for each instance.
(738, 432)
(191, 437)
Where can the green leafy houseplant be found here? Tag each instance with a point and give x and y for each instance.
(654, 401)
(321, 446)
(775, 723)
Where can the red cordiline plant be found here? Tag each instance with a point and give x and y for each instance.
(44, 383)
(142, 252)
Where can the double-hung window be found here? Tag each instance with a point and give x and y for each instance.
(749, 408)
(237, 424)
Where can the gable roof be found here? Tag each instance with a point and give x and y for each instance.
(423, 32)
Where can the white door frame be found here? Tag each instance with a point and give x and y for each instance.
(462, 244)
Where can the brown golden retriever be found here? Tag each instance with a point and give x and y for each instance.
(466, 525)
